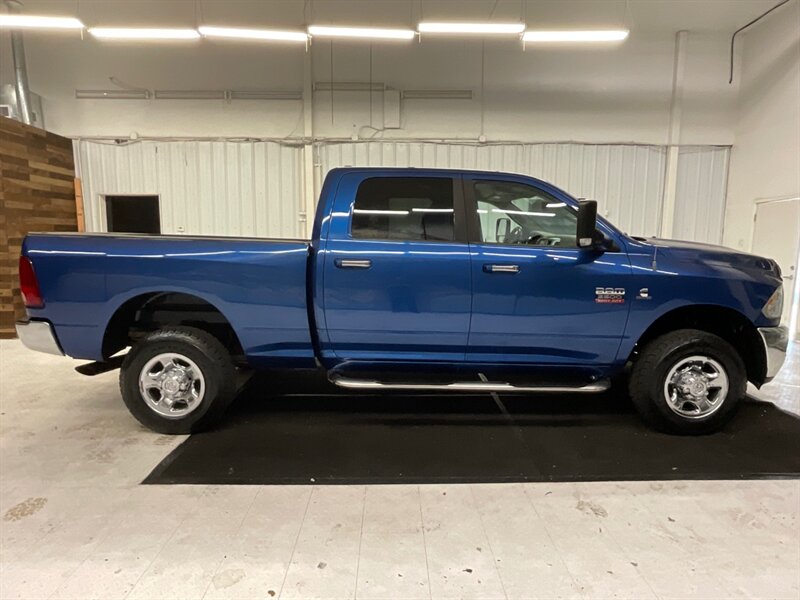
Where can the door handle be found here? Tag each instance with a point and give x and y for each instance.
(353, 263)
(501, 268)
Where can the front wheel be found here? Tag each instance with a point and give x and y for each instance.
(688, 382)
(177, 380)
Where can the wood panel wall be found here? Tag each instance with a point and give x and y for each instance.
(37, 193)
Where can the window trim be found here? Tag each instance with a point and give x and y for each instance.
(459, 212)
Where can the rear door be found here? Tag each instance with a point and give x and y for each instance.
(538, 299)
(396, 269)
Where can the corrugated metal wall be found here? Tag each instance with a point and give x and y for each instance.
(701, 193)
(255, 188)
(626, 180)
(205, 188)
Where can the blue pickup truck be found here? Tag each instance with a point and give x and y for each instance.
(414, 279)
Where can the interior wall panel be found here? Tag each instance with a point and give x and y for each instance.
(701, 193)
(626, 180)
(205, 187)
(255, 188)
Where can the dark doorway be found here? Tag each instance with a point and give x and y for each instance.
(133, 214)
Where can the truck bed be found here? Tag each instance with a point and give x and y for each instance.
(258, 284)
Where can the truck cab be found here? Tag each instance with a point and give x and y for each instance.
(416, 279)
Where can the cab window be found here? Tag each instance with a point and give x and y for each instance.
(404, 208)
(519, 214)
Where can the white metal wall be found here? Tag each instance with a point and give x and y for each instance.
(626, 180)
(701, 192)
(255, 188)
(205, 187)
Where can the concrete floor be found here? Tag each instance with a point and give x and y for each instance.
(76, 524)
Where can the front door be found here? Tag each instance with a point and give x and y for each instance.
(397, 270)
(537, 298)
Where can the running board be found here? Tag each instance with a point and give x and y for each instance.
(471, 386)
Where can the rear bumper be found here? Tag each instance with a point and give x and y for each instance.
(39, 336)
(776, 340)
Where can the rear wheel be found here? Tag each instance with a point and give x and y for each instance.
(688, 382)
(178, 380)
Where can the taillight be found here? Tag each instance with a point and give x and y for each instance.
(28, 284)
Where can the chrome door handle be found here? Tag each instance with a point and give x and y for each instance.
(501, 268)
(353, 263)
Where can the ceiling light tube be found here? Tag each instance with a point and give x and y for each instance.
(548, 36)
(253, 34)
(473, 28)
(143, 33)
(38, 22)
(361, 32)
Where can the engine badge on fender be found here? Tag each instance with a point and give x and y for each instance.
(604, 295)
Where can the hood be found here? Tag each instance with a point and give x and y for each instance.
(712, 255)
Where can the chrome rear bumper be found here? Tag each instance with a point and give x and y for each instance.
(775, 340)
(39, 336)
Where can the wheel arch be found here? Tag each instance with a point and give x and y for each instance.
(725, 322)
(148, 311)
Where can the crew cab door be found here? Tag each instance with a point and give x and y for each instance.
(396, 273)
(537, 298)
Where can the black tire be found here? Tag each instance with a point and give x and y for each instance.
(650, 371)
(208, 354)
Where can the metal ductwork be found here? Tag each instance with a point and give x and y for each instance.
(21, 87)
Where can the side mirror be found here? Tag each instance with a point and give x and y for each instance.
(587, 235)
(502, 228)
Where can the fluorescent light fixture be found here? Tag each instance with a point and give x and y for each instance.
(253, 34)
(432, 210)
(473, 28)
(437, 94)
(264, 95)
(363, 211)
(112, 94)
(555, 204)
(523, 212)
(604, 35)
(39, 22)
(190, 94)
(362, 32)
(143, 33)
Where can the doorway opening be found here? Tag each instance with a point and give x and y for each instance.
(133, 214)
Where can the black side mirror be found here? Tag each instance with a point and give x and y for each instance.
(587, 235)
(502, 228)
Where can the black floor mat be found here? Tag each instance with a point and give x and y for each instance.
(302, 431)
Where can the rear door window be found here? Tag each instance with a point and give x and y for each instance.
(404, 208)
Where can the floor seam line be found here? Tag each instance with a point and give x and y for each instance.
(238, 529)
(424, 542)
(360, 542)
(488, 541)
(553, 542)
(160, 550)
(296, 540)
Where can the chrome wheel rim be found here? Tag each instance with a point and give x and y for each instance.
(696, 387)
(172, 385)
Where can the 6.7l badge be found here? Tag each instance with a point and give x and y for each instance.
(607, 295)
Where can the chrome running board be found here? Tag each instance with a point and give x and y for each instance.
(471, 386)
